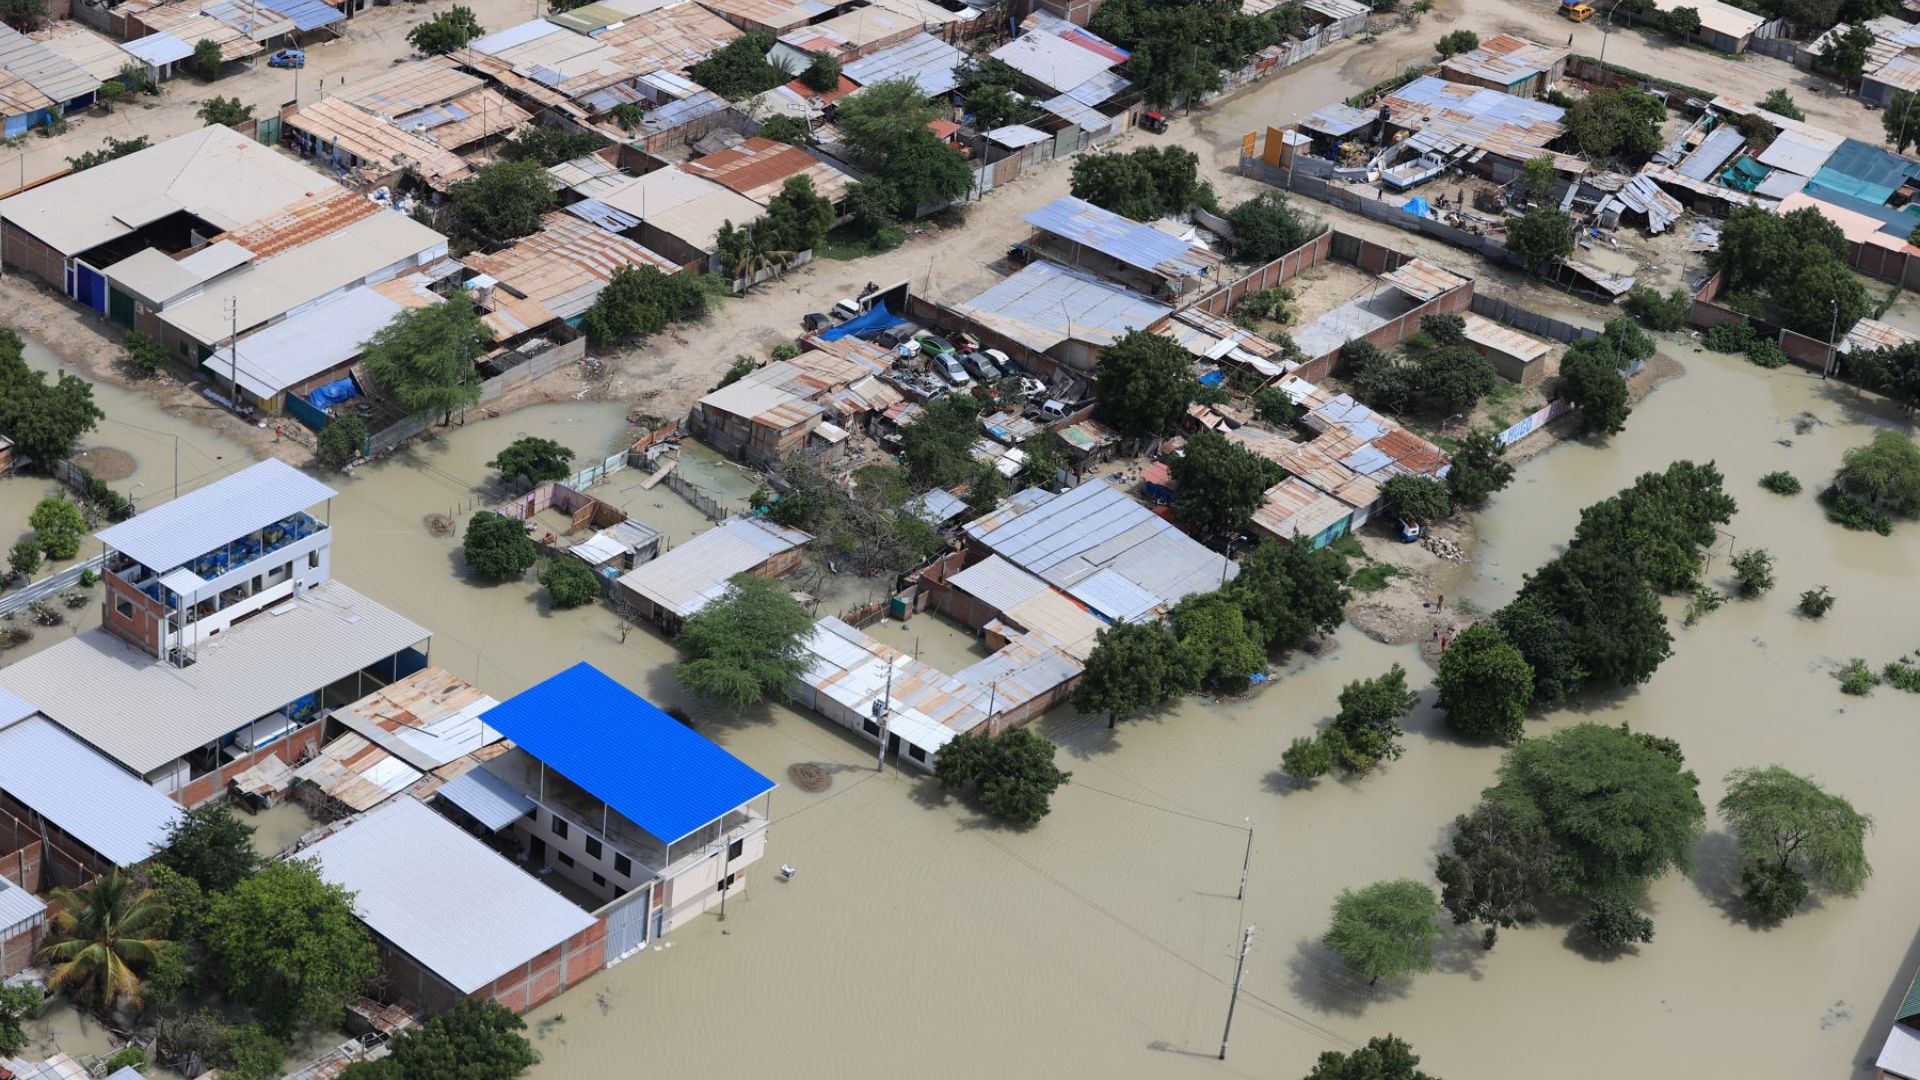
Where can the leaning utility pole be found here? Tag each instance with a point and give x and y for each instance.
(1247, 860)
(1239, 972)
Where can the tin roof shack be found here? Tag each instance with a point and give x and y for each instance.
(1517, 357)
(1294, 509)
(645, 821)
(452, 918)
(1077, 233)
(1048, 316)
(553, 276)
(23, 925)
(763, 417)
(1215, 340)
(687, 578)
(675, 212)
(362, 140)
(1487, 132)
(411, 736)
(37, 83)
(772, 16)
(1385, 317)
(758, 168)
(1722, 26)
(849, 36)
(925, 59)
(217, 687)
(1510, 65)
(1893, 60)
(67, 811)
(1059, 57)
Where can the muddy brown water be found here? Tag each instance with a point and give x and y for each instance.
(918, 936)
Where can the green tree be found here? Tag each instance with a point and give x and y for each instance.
(639, 301)
(228, 111)
(1663, 523)
(1455, 43)
(1498, 871)
(1780, 103)
(44, 419)
(1659, 312)
(1621, 811)
(1133, 667)
(380, 1069)
(1824, 301)
(798, 217)
(501, 201)
(1885, 474)
(16, 1004)
(497, 548)
(1146, 183)
(341, 441)
(1267, 226)
(1592, 379)
(996, 105)
(1612, 923)
(935, 447)
(1547, 642)
(1143, 384)
(746, 646)
(447, 31)
(1763, 250)
(1221, 648)
(477, 1040)
(186, 902)
(25, 16)
(424, 359)
(206, 59)
(211, 846)
(1417, 498)
(877, 120)
(1386, 930)
(1012, 775)
(1894, 372)
(133, 74)
(1541, 236)
(533, 460)
(110, 91)
(1218, 484)
(921, 170)
(1681, 22)
(1479, 468)
(1366, 730)
(822, 73)
(1845, 54)
(100, 937)
(57, 526)
(249, 1053)
(1611, 616)
(1900, 119)
(1485, 684)
(1792, 832)
(144, 354)
(1307, 757)
(24, 558)
(109, 150)
(1536, 179)
(1295, 592)
(739, 69)
(1383, 1058)
(547, 146)
(1623, 122)
(1753, 569)
(792, 130)
(570, 582)
(287, 943)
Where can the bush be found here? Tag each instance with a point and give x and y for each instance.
(1658, 312)
(1729, 337)
(1815, 603)
(1843, 509)
(130, 1057)
(783, 352)
(1613, 924)
(144, 354)
(1753, 569)
(1781, 483)
(24, 558)
(1857, 678)
(57, 527)
(497, 547)
(1457, 42)
(570, 582)
(1766, 354)
(1901, 676)
(341, 441)
(249, 1053)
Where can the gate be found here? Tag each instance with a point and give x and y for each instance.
(627, 926)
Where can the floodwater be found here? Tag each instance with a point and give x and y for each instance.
(919, 936)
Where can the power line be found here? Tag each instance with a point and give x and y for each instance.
(1237, 827)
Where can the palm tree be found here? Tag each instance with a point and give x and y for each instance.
(99, 935)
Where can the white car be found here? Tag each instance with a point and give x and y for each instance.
(846, 308)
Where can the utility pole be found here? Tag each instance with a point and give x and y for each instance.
(1239, 973)
(880, 710)
(233, 353)
(1247, 861)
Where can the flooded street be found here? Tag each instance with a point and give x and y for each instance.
(918, 936)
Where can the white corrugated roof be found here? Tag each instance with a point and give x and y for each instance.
(997, 583)
(145, 713)
(158, 49)
(177, 532)
(490, 800)
(1110, 594)
(694, 574)
(1900, 1054)
(442, 897)
(79, 789)
(17, 906)
(297, 348)
(1015, 136)
(14, 708)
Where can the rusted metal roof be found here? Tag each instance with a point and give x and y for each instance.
(1295, 507)
(373, 140)
(1423, 280)
(674, 38)
(1505, 340)
(566, 264)
(302, 223)
(1868, 335)
(1413, 453)
(759, 168)
(411, 86)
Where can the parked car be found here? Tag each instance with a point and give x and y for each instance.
(894, 335)
(815, 320)
(934, 343)
(288, 58)
(1155, 122)
(948, 365)
(983, 366)
(846, 308)
(906, 350)
(1031, 387)
(1053, 410)
(1002, 361)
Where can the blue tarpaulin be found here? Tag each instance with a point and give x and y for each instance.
(326, 397)
(1417, 206)
(876, 319)
(1213, 378)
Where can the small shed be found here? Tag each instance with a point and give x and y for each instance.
(23, 922)
(1030, 145)
(1517, 357)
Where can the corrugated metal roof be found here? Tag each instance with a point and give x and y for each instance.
(1503, 339)
(937, 507)
(1123, 239)
(442, 897)
(690, 576)
(1044, 304)
(490, 800)
(1052, 60)
(1900, 1054)
(1476, 116)
(316, 340)
(176, 532)
(513, 36)
(17, 907)
(14, 708)
(79, 789)
(566, 264)
(1706, 159)
(1505, 59)
(429, 718)
(1423, 280)
(1800, 152)
(1085, 117)
(248, 672)
(43, 69)
(1868, 335)
(1113, 597)
(926, 707)
(1068, 537)
(306, 14)
(1015, 136)
(621, 749)
(997, 583)
(925, 59)
(1294, 507)
(760, 168)
(158, 49)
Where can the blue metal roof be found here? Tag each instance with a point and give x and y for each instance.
(306, 14)
(1122, 239)
(618, 747)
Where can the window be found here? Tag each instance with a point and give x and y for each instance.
(258, 581)
(916, 753)
(593, 848)
(870, 727)
(559, 828)
(566, 859)
(313, 560)
(598, 880)
(623, 866)
(734, 849)
(618, 892)
(123, 606)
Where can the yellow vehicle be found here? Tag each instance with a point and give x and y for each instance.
(1577, 12)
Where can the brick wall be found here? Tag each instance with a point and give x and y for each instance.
(143, 626)
(27, 253)
(1222, 300)
(546, 976)
(23, 866)
(290, 750)
(36, 855)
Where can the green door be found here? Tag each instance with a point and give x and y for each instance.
(120, 307)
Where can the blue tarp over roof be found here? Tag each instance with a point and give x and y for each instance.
(306, 14)
(1864, 171)
(873, 321)
(618, 747)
